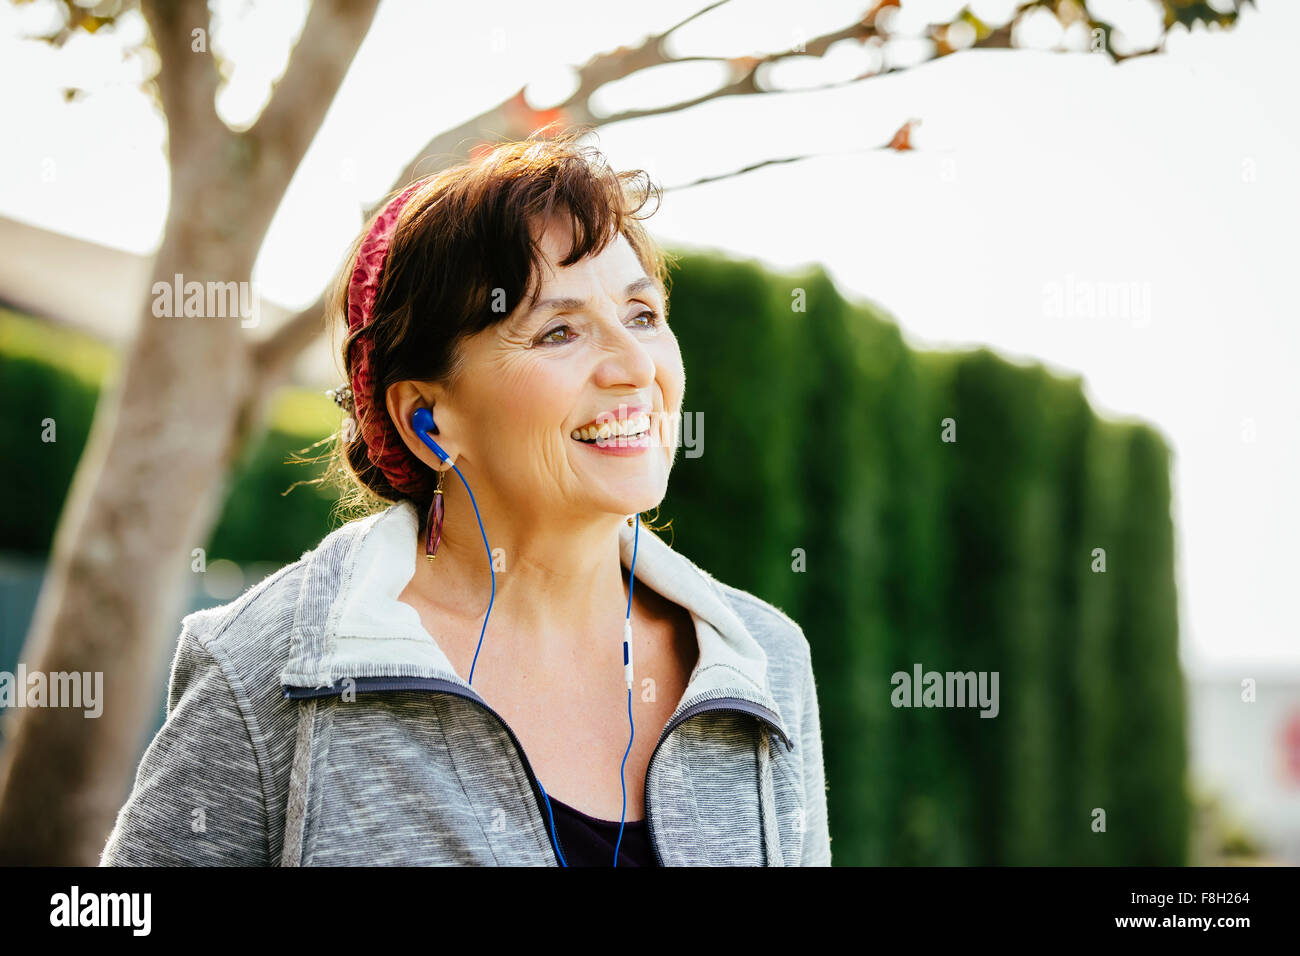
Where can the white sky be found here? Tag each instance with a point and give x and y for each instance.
(1171, 178)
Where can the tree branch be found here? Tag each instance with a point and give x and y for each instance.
(280, 137)
(622, 62)
(898, 143)
(187, 79)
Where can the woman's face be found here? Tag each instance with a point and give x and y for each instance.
(533, 380)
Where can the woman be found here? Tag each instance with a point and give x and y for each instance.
(359, 706)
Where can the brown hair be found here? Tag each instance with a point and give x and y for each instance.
(463, 242)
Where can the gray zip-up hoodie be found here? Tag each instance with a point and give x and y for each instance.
(314, 721)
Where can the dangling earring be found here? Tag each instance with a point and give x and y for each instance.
(435, 520)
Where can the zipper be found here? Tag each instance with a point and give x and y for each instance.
(703, 704)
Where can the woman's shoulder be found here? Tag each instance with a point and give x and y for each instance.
(273, 591)
(229, 658)
(257, 625)
(776, 631)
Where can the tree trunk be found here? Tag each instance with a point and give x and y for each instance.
(151, 481)
(146, 493)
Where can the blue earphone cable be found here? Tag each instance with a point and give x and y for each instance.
(622, 776)
(554, 839)
(491, 570)
(622, 772)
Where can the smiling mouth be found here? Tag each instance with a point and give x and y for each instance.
(617, 432)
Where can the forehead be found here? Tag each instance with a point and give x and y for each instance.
(616, 268)
(617, 259)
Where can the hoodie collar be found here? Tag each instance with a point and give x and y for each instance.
(349, 623)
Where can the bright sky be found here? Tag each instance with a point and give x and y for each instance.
(1132, 224)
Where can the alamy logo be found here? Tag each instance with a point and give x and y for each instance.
(212, 300)
(55, 689)
(102, 909)
(950, 689)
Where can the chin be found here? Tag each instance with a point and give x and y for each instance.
(625, 500)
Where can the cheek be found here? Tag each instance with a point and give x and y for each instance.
(529, 396)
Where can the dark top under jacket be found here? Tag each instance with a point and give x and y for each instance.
(587, 841)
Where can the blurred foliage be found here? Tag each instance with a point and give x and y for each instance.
(823, 433)
(1219, 838)
(47, 375)
(51, 373)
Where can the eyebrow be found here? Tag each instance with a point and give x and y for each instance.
(572, 305)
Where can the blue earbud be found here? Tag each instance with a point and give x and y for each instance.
(422, 421)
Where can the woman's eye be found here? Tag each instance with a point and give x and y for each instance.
(654, 318)
(547, 336)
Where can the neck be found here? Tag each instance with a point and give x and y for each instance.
(560, 583)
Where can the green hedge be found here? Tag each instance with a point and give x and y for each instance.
(47, 372)
(822, 432)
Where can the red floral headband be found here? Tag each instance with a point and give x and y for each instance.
(384, 446)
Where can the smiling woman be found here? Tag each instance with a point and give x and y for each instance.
(368, 706)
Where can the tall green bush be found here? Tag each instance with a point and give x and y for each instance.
(824, 437)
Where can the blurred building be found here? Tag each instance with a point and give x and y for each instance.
(112, 287)
(1247, 754)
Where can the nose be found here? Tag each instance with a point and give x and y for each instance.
(628, 361)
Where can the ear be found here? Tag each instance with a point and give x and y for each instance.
(402, 399)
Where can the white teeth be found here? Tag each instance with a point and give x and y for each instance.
(613, 429)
